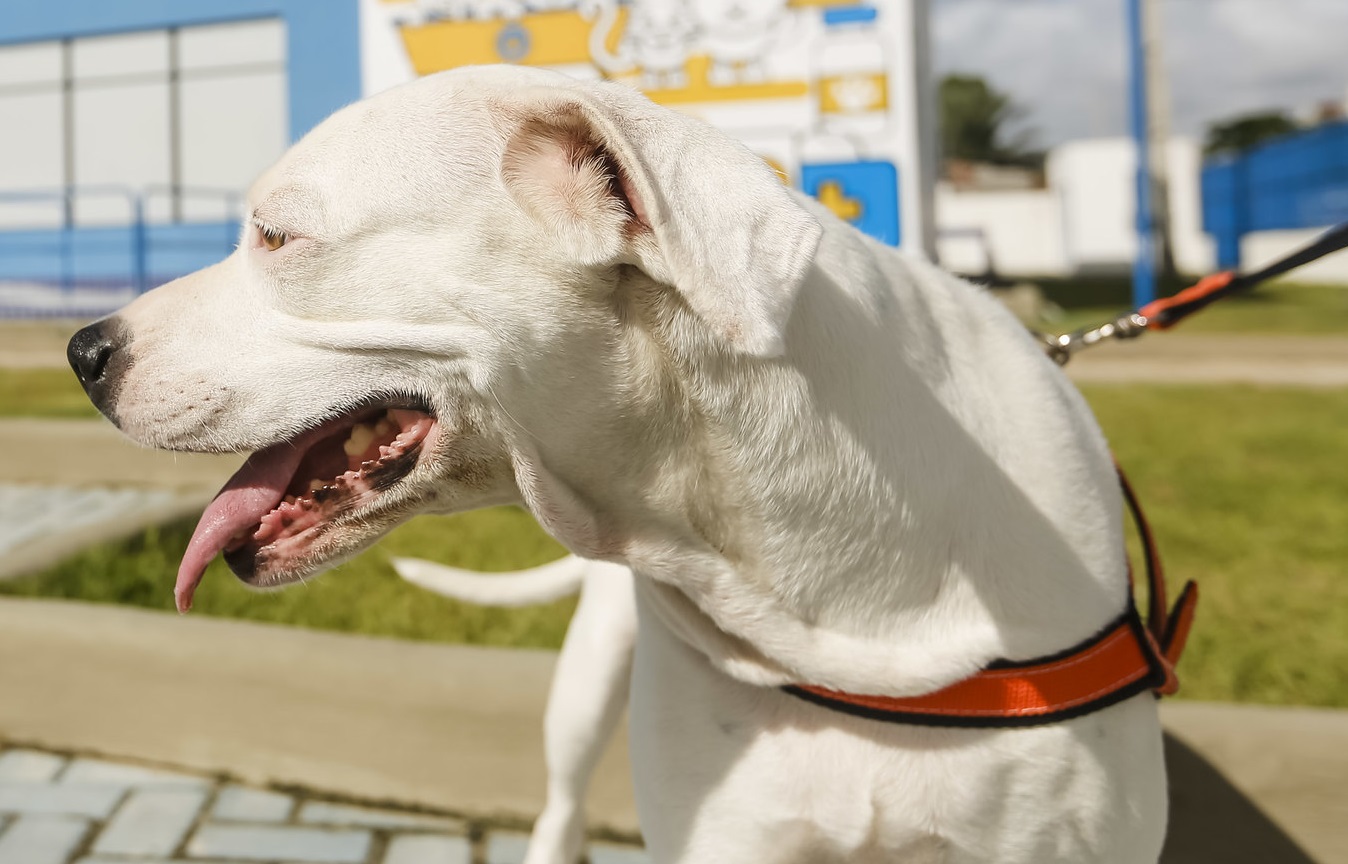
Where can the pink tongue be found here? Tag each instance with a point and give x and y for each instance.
(253, 492)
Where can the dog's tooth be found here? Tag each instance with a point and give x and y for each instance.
(315, 485)
(361, 436)
(383, 427)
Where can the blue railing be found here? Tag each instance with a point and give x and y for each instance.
(1300, 181)
(83, 252)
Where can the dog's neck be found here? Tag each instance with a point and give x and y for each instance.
(911, 492)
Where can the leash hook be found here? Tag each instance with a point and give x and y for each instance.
(1063, 347)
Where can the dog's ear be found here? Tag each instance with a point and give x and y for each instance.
(616, 179)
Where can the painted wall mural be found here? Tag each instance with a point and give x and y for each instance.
(813, 86)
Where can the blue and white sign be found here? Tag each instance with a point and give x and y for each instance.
(865, 194)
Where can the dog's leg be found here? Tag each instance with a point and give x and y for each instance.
(589, 692)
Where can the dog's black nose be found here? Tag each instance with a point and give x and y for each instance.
(93, 354)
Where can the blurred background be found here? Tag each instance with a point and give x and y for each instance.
(1078, 158)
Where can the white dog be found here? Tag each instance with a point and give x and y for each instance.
(829, 465)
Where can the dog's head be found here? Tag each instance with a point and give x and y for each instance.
(444, 298)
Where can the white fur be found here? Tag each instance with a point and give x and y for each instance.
(826, 462)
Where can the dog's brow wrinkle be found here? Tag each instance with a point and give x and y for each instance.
(286, 205)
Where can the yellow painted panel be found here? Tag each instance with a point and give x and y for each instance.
(699, 89)
(556, 38)
(853, 94)
(539, 39)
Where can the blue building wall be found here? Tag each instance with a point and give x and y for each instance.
(322, 48)
(323, 74)
(1296, 182)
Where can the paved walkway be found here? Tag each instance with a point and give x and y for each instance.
(82, 482)
(58, 810)
(1299, 361)
(40, 525)
(458, 729)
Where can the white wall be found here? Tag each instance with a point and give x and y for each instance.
(1023, 229)
(1267, 246)
(1084, 220)
(232, 123)
(1094, 180)
(235, 109)
(30, 100)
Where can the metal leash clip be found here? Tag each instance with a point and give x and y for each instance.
(1062, 348)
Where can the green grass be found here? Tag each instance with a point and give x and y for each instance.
(362, 596)
(42, 393)
(1282, 308)
(1247, 489)
(1247, 492)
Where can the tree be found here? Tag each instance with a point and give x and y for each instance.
(973, 123)
(1235, 136)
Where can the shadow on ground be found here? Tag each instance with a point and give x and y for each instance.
(1212, 821)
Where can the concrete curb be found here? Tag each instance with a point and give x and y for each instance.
(452, 728)
(457, 729)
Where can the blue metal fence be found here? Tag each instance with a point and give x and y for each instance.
(85, 251)
(1296, 182)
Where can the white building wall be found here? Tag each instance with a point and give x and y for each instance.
(1195, 251)
(232, 123)
(1022, 230)
(1094, 181)
(1266, 246)
(1084, 221)
(30, 100)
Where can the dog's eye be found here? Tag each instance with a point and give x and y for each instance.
(272, 238)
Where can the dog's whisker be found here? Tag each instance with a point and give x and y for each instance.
(525, 429)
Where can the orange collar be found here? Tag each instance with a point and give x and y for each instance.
(1124, 659)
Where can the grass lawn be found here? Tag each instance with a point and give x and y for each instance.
(1247, 489)
(1284, 308)
(42, 393)
(362, 596)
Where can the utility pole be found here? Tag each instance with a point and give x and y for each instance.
(1158, 121)
(1144, 265)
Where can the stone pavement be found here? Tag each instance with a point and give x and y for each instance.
(40, 525)
(81, 482)
(58, 810)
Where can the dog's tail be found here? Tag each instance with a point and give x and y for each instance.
(518, 588)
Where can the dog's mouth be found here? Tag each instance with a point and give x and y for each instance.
(288, 495)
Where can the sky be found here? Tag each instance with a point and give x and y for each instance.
(1064, 61)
